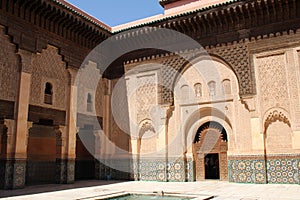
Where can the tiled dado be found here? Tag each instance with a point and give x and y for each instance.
(190, 170)
(283, 169)
(156, 170)
(104, 172)
(252, 169)
(65, 170)
(150, 170)
(12, 174)
(247, 169)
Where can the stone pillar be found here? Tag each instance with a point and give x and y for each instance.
(107, 121)
(66, 162)
(98, 165)
(65, 167)
(17, 130)
(6, 174)
(12, 172)
(162, 127)
(134, 168)
(107, 109)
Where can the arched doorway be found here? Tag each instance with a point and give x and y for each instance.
(210, 152)
(42, 152)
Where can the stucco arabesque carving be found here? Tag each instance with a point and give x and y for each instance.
(276, 116)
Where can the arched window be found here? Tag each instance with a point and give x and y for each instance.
(89, 103)
(184, 92)
(212, 88)
(198, 89)
(48, 93)
(226, 86)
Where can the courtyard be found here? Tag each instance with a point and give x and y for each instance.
(222, 190)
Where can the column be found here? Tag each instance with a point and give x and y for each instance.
(17, 137)
(6, 175)
(99, 174)
(66, 164)
(61, 155)
(107, 121)
(135, 147)
(162, 127)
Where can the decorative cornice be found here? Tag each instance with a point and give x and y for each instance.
(184, 14)
(82, 14)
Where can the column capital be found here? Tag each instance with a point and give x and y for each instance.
(72, 71)
(9, 124)
(29, 124)
(60, 128)
(26, 59)
(167, 111)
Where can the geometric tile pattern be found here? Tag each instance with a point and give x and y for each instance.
(19, 174)
(152, 170)
(279, 170)
(176, 171)
(283, 171)
(103, 172)
(65, 171)
(190, 170)
(247, 171)
(12, 174)
(156, 170)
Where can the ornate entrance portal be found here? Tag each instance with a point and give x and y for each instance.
(210, 152)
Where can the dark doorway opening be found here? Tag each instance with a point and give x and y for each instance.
(85, 163)
(211, 162)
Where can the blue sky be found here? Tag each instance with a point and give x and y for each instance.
(115, 12)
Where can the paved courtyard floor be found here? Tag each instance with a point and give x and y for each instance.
(86, 190)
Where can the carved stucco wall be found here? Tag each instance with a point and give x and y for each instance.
(49, 67)
(236, 54)
(142, 84)
(9, 66)
(118, 134)
(99, 99)
(146, 97)
(271, 72)
(90, 83)
(274, 88)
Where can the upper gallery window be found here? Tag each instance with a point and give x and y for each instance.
(89, 103)
(48, 93)
(198, 89)
(212, 88)
(226, 86)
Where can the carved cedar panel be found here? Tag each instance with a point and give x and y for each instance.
(171, 67)
(237, 55)
(49, 67)
(9, 64)
(271, 72)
